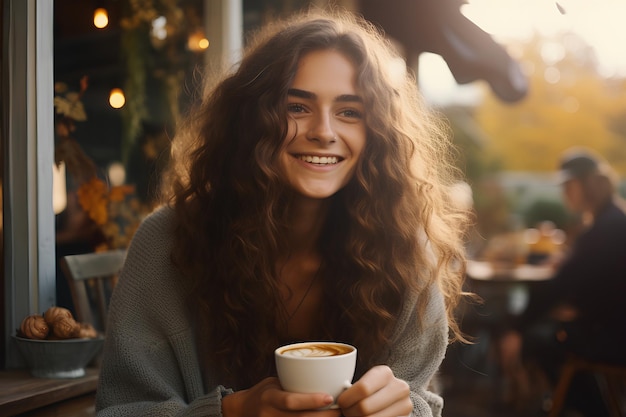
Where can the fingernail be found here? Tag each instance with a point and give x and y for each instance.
(328, 399)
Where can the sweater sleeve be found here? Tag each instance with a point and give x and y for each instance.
(417, 351)
(149, 364)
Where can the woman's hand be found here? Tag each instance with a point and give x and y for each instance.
(378, 393)
(267, 399)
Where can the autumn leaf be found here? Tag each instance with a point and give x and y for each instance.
(70, 107)
(92, 196)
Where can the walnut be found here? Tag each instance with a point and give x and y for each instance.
(65, 328)
(34, 327)
(55, 313)
(87, 330)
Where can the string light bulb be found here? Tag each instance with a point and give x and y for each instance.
(100, 18)
(116, 98)
(117, 174)
(197, 41)
(203, 43)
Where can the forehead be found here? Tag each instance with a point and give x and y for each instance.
(325, 69)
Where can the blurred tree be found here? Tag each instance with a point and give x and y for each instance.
(492, 208)
(470, 140)
(542, 210)
(569, 103)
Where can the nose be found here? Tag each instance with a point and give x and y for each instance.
(322, 130)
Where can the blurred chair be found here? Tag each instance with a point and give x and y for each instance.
(611, 374)
(91, 278)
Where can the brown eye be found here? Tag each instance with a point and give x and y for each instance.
(295, 108)
(351, 113)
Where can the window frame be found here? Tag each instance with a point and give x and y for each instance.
(28, 140)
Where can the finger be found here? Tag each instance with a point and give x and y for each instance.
(371, 382)
(290, 401)
(379, 391)
(273, 393)
(394, 410)
(392, 400)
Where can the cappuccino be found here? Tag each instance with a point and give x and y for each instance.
(316, 367)
(315, 350)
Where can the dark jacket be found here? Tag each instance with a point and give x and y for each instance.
(593, 281)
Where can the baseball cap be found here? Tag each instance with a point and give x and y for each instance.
(579, 164)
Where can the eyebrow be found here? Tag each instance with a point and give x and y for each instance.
(344, 98)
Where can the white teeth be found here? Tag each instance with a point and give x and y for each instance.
(320, 160)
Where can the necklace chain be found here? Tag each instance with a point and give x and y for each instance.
(306, 293)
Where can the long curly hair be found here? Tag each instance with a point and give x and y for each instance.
(392, 230)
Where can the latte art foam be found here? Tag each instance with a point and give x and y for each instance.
(316, 351)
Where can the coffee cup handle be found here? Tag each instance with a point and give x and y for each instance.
(346, 384)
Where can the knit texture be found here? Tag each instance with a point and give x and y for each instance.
(150, 365)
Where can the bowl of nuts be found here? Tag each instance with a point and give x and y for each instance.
(55, 345)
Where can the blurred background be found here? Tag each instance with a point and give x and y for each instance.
(518, 81)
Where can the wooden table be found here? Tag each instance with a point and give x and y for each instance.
(23, 394)
(505, 288)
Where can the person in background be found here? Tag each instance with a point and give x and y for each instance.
(581, 310)
(309, 198)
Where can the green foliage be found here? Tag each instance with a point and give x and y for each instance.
(135, 45)
(157, 65)
(469, 141)
(541, 210)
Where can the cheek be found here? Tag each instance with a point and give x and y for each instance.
(573, 196)
(292, 131)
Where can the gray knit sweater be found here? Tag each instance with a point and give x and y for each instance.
(150, 366)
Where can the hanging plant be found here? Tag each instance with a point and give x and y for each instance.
(150, 28)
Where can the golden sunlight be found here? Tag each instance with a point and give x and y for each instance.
(599, 23)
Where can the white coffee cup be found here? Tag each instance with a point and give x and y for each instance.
(316, 367)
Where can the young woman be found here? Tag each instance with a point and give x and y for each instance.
(309, 200)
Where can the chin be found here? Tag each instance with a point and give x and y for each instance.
(316, 194)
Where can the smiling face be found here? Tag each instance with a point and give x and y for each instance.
(326, 132)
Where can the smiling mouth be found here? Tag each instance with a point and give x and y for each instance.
(320, 160)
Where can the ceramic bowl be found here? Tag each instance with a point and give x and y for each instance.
(58, 358)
